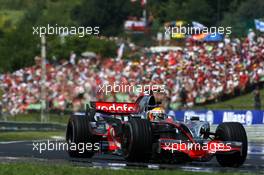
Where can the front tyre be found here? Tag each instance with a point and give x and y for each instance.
(137, 140)
(232, 131)
(79, 132)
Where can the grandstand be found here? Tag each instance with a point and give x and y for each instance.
(197, 74)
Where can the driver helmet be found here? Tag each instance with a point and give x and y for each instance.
(156, 114)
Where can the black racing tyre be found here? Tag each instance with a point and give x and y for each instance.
(232, 131)
(79, 132)
(137, 140)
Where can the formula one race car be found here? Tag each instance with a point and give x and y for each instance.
(141, 132)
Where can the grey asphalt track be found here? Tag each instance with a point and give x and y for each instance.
(24, 151)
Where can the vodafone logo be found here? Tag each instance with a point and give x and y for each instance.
(116, 107)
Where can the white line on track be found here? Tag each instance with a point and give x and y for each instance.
(11, 142)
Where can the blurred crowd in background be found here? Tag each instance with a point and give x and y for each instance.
(195, 74)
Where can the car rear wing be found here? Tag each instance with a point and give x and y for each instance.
(114, 108)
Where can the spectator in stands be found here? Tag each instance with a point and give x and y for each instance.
(183, 96)
(257, 100)
(1, 112)
(196, 74)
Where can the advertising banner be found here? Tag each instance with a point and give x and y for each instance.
(246, 117)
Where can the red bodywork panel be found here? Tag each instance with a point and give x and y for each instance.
(116, 107)
(197, 150)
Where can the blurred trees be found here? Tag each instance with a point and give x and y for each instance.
(19, 46)
(108, 14)
(242, 16)
(17, 17)
(188, 10)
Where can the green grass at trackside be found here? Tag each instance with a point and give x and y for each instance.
(241, 102)
(48, 169)
(35, 117)
(29, 135)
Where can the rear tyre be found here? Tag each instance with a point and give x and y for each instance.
(137, 140)
(79, 132)
(232, 131)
